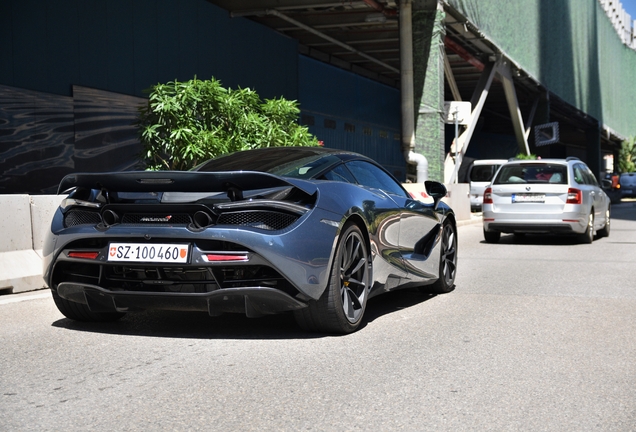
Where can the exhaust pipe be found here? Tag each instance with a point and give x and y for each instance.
(202, 220)
(109, 218)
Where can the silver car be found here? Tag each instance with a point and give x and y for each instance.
(556, 196)
(480, 175)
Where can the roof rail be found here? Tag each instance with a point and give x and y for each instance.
(571, 158)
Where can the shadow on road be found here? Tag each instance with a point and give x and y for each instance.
(625, 210)
(200, 325)
(537, 239)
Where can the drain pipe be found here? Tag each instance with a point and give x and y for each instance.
(406, 77)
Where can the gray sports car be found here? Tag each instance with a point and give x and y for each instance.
(310, 230)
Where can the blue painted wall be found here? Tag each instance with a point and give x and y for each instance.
(114, 50)
(126, 46)
(349, 112)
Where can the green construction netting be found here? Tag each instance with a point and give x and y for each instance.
(570, 47)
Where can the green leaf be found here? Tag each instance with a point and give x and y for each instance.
(185, 123)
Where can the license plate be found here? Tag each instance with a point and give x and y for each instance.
(528, 198)
(144, 252)
(627, 191)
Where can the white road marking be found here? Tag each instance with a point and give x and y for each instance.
(18, 298)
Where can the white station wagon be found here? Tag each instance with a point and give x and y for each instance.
(555, 196)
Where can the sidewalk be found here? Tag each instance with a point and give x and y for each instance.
(475, 218)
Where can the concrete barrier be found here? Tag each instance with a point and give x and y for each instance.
(42, 209)
(458, 198)
(22, 231)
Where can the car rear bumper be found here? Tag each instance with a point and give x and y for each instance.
(253, 301)
(566, 223)
(538, 228)
(306, 269)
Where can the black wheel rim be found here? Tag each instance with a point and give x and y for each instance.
(448, 265)
(354, 276)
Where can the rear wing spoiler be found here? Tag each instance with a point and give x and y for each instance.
(179, 181)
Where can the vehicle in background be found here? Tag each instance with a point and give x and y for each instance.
(628, 185)
(480, 175)
(612, 187)
(545, 196)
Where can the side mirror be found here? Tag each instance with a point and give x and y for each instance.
(435, 190)
(607, 184)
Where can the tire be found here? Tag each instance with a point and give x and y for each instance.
(605, 231)
(588, 236)
(341, 306)
(492, 236)
(447, 262)
(81, 312)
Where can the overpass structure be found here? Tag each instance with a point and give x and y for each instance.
(556, 77)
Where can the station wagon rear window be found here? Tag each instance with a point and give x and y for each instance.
(532, 173)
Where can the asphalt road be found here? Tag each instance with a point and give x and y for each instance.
(538, 335)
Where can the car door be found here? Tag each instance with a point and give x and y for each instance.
(417, 222)
(600, 201)
(385, 214)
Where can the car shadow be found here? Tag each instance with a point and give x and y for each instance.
(538, 239)
(625, 210)
(200, 325)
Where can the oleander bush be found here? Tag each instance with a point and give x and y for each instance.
(186, 123)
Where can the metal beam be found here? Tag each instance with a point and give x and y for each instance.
(460, 51)
(450, 79)
(504, 71)
(530, 119)
(298, 24)
(477, 101)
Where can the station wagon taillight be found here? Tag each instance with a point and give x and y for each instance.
(575, 196)
(488, 196)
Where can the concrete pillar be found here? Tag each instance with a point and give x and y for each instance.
(428, 83)
(593, 146)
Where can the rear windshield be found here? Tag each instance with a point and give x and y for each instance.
(532, 173)
(297, 163)
(483, 173)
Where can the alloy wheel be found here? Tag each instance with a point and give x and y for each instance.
(448, 266)
(588, 235)
(354, 276)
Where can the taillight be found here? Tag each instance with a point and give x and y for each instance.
(575, 196)
(226, 257)
(84, 255)
(488, 196)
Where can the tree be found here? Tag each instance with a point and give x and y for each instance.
(186, 123)
(627, 155)
(523, 156)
